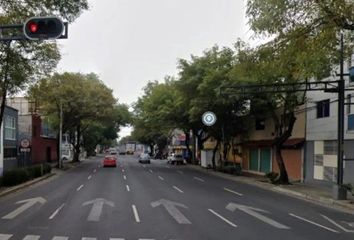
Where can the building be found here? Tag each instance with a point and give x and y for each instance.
(35, 128)
(258, 155)
(9, 138)
(322, 135)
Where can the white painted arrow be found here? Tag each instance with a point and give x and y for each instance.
(96, 210)
(171, 208)
(28, 203)
(254, 213)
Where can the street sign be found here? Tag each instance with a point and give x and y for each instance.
(25, 143)
(209, 119)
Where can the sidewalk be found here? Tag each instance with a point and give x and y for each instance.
(316, 194)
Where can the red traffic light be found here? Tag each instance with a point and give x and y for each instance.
(41, 28)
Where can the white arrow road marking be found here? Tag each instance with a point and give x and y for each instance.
(316, 224)
(222, 218)
(179, 190)
(232, 191)
(32, 237)
(128, 188)
(198, 179)
(56, 211)
(336, 224)
(79, 188)
(60, 238)
(136, 215)
(172, 209)
(5, 236)
(96, 210)
(254, 213)
(28, 203)
(161, 178)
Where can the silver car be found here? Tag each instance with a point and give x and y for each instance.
(144, 158)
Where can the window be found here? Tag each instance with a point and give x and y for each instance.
(330, 148)
(351, 122)
(260, 124)
(349, 101)
(323, 108)
(10, 152)
(10, 128)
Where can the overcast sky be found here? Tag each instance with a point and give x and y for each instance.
(129, 42)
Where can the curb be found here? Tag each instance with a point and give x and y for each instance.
(339, 205)
(26, 184)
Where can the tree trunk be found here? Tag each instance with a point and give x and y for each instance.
(4, 83)
(189, 151)
(214, 153)
(283, 174)
(77, 144)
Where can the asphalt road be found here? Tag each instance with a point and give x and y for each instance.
(160, 201)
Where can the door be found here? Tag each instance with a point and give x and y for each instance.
(265, 160)
(48, 153)
(254, 159)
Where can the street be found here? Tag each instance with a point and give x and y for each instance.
(160, 201)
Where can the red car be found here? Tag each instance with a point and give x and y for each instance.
(110, 161)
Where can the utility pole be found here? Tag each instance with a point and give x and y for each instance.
(60, 135)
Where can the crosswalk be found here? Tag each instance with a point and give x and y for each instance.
(38, 237)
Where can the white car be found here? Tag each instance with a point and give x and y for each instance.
(144, 158)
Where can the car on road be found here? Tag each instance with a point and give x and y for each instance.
(110, 161)
(175, 159)
(144, 158)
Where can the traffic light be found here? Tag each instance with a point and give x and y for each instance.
(39, 28)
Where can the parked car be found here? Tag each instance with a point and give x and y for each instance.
(144, 158)
(113, 152)
(110, 161)
(175, 159)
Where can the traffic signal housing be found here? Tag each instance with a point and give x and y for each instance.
(41, 28)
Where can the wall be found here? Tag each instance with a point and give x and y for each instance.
(293, 161)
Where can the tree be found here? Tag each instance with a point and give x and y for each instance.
(23, 62)
(85, 101)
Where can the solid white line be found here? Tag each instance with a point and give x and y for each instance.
(32, 237)
(89, 177)
(316, 224)
(60, 238)
(336, 224)
(161, 178)
(179, 190)
(79, 188)
(5, 236)
(232, 191)
(151, 171)
(125, 177)
(136, 215)
(199, 179)
(128, 188)
(222, 218)
(56, 211)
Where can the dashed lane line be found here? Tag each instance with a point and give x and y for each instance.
(161, 178)
(222, 218)
(336, 224)
(56, 211)
(89, 177)
(180, 172)
(125, 177)
(79, 188)
(60, 238)
(128, 188)
(94, 171)
(136, 215)
(232, 191)
(313, 223)
(179, 190)
(151, 171)
(5, 236)
(198, 179)
(32, 237)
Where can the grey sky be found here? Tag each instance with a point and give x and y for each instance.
(129, 42)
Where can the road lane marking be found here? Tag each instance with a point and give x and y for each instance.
(5, 236)
(151, 171)
(336, 224)
(161, 178)
(199, 179)
(116, 238)
(144, 166)
(79, 188)
(32, 237)
(146, 238)
(168, 167)
(122, 170)
(316, 224)
(94, 170)
(89, 177)
(56, 211)
(136, 215)
(179, 190)
(99, 165)
(88, 238)
(180, 172)
(28, 203)
(128, 188)
(232, 191)
(222, 218)
(125, 177)
(60, 238)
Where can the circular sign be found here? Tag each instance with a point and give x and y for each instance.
(209, 118)
(25, 143)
